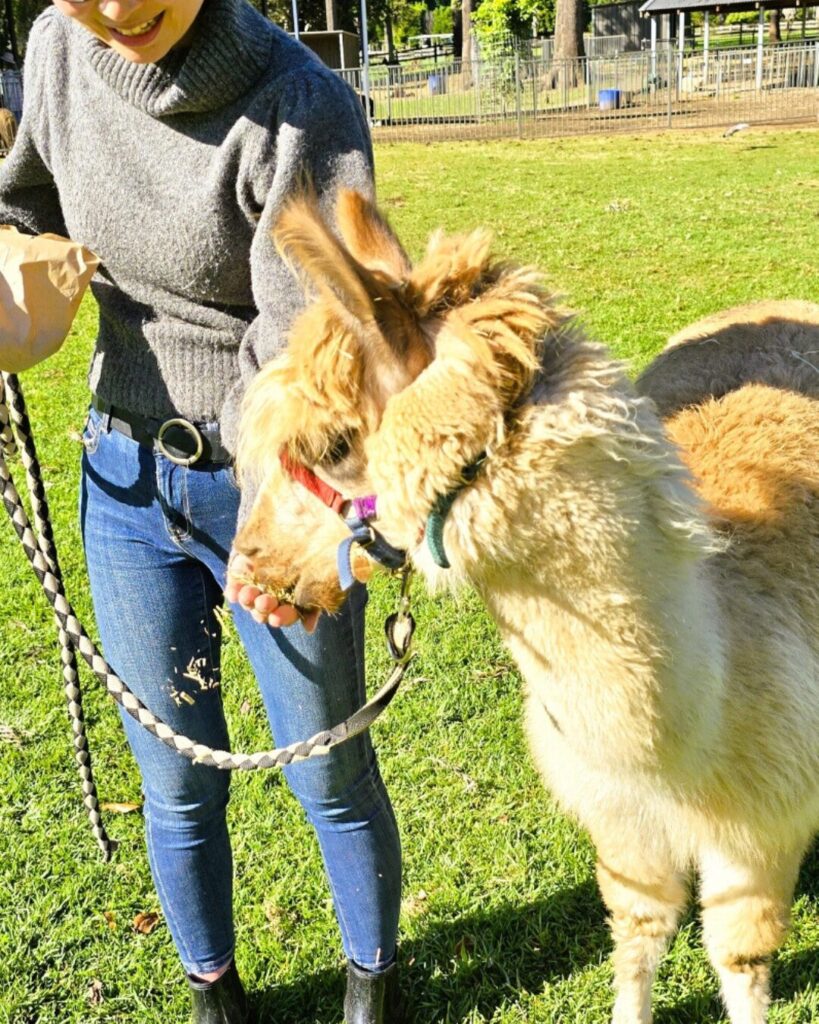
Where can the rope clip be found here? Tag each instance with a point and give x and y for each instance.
(400, 626)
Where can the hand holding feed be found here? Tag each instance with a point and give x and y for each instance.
(263, 606)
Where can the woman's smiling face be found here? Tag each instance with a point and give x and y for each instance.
(141, 31)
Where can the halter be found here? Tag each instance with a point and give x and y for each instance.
(358, 515)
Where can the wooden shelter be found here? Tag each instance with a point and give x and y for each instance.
(337, 49)
(681, 8)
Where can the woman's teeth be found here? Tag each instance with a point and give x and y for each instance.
(139, 30)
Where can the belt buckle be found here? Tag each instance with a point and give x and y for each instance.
(187, 460)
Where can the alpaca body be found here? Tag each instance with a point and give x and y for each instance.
(657, 583)
(666, 624)
(628, 612)
(774, 343)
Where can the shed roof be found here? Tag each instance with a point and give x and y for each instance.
(672, 6)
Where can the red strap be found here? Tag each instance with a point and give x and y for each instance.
(307, 478)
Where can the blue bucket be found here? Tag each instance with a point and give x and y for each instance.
(436, 85)
(608, 99)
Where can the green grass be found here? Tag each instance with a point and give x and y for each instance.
(502, 922)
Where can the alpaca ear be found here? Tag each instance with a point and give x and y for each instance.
(303, 239)
(369, 303)
(451, 269)
(369, 238)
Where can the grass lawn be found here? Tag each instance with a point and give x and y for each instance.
(502, 922)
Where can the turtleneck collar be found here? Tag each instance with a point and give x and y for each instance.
(230, 48)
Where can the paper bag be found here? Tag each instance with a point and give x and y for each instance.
(42, 280)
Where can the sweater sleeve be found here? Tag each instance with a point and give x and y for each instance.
(321, 135)
(28, 195)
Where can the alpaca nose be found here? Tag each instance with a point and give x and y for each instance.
(241, 563)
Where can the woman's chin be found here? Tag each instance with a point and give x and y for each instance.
(148, 55)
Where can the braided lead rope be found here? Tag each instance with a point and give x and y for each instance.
(317, 745)
(8, 447)
(15, 403)
(400, 629)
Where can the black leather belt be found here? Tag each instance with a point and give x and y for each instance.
(179, 440)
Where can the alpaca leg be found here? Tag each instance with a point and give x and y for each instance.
(746, 909)
(645, 899)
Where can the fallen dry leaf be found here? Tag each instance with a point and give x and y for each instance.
(120, 808)
(9, 735)
(94, 993)
(145, 923)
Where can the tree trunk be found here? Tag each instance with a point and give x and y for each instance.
(391, 58)
(774, 26)
(569, 16)
(330, 11)
(466, 42)
(12, 35)
(569, 29)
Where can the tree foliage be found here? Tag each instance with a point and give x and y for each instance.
(312, 14)
(23, 14)
(518, 18)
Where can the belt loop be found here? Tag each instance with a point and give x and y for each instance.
(105, 422)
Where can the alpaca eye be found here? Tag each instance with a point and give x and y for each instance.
(337, 451)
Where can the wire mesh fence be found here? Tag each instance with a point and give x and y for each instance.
(527, 96)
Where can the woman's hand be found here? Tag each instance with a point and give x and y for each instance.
(264, 607)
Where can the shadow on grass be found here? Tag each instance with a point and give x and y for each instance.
(790, 975)
(703, 1007)
(479, 961)
(471, 964)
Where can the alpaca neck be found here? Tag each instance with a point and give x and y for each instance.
(629, 674)
(587, 545)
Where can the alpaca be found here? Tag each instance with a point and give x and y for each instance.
(8, 130)
(774, 343)
(657, 585)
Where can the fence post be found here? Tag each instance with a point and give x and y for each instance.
(668, 82)
(760, 43)
(365, 58)
(816, 66)
(517, 94)
(654, 52)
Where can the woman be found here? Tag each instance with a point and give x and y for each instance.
(165, 135)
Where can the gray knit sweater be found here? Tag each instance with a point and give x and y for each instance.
(173, 173)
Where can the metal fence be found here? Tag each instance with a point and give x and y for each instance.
(526, 97)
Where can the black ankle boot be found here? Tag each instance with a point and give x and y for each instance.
(373, 997)
(222, 1001)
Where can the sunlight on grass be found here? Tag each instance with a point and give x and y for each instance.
(502, 922)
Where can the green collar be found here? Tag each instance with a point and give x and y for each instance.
(434, 530)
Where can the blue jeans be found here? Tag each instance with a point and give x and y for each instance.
(157, 538)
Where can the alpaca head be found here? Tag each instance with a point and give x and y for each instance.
(455, 338)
